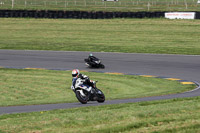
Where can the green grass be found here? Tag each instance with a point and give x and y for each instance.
(22, 87)
(110, 35)
(166, 116)
(99, 5)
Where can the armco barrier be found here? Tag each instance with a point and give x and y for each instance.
(80, 14)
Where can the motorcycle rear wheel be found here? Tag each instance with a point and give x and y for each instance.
(102, 66)
(101, 97)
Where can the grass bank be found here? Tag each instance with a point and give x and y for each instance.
(161, 36)
(22, 87)
(178, 115)
(99, 5)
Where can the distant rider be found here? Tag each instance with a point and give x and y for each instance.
(79, 79)
(92, 58)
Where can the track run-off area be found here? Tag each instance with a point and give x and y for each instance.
(183, 68)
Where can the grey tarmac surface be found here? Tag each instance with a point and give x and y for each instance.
(186, 67)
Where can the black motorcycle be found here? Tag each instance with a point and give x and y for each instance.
(95, 63)
(84, 96)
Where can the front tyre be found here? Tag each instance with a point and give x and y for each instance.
(82, 99)
(86, 60)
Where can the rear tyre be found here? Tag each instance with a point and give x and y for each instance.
(102, 66)
(101, 96)
(82, 99)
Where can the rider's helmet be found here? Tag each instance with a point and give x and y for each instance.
(90, 55)
(75, 73)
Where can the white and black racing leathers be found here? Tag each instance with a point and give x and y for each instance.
(82, 80)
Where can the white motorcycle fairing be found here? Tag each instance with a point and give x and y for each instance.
(79, 84)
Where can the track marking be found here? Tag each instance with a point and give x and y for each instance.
(35, 68)
(82, 71)
(187, 83)
(173, 79)
(148, 76)
(115, 73)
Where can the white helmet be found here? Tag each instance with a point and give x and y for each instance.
(75, 73)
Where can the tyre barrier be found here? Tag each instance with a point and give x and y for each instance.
(197, 15)
(80, 14)
(77, 14)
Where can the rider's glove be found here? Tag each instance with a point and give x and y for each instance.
(72, 87)
(92, 81)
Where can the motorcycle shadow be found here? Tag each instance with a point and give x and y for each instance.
(89, 103)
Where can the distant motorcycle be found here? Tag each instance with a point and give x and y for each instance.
(84, 96)
(96, 63)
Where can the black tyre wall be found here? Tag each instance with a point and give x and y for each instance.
(197, 15)
(77, 14)
(80, 14)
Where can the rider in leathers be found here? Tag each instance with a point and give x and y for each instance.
(81, 79)
(91, 59)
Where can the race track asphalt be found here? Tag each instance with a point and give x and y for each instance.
(185, 67)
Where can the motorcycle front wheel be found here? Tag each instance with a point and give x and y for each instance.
(82, 99)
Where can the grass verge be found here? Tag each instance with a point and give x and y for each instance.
(177, 115)
(22, 87)
(110, 35)
(99, 5)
